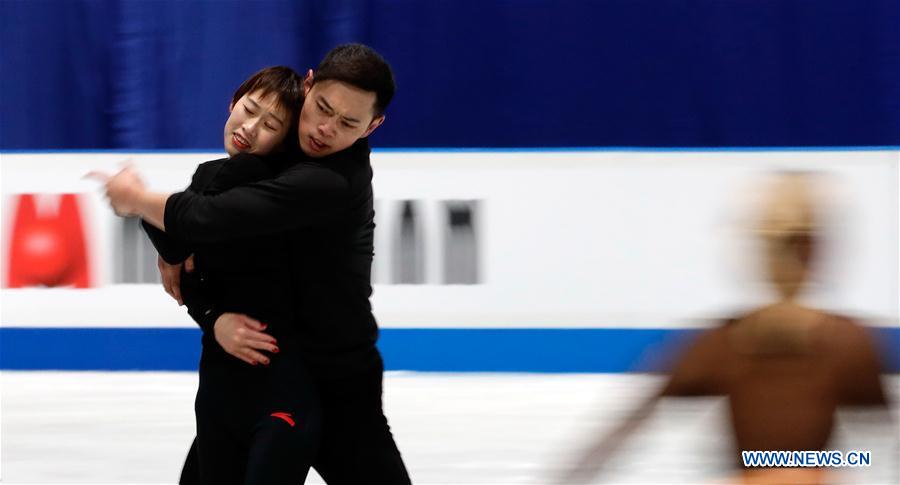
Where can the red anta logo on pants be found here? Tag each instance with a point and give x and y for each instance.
(48, 249)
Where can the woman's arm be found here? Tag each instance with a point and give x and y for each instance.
(171, 250)
(175, 255)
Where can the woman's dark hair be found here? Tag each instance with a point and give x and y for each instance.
(287, 87)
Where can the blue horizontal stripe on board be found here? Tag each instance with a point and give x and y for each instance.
(611, 350)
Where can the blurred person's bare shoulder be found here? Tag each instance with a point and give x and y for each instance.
(700, 369)
(854, 361)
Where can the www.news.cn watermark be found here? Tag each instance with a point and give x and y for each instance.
(807, 458)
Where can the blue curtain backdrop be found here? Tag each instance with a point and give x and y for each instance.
(158, 74)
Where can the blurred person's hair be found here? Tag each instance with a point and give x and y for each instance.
(789, 221)
(789, 213)
(359, 66)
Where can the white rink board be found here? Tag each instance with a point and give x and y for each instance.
(567, 238)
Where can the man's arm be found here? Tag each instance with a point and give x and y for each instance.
(302, 195)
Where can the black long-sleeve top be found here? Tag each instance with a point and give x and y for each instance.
(244, 275)
(325, 209)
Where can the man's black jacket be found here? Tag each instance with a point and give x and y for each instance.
(324, 208)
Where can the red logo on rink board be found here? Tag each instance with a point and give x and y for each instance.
(284, 416)
(48, 250)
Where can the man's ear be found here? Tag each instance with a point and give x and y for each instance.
(374, 124)
(308, 82)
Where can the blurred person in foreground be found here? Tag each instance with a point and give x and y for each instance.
(785, 367)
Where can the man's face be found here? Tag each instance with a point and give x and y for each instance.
(257, 124)
(334, 116)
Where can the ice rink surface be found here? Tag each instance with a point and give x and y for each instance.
(135, 427)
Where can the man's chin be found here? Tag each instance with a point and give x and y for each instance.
(309, 152)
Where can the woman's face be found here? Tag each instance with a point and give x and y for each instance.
(257, 124)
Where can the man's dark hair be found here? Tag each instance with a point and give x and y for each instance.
(360, 66)
(281, 81)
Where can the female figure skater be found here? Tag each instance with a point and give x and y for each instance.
(257, 413)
